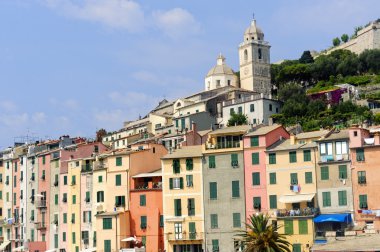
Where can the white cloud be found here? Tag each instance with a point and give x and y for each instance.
(39, 117)
(176, 22)
(132, 99)
(8, 105)
(71, 104)
(14, 120)
(123, 14)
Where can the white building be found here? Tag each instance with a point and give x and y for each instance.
(220, 75)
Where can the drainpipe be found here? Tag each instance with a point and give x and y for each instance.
(116, 235)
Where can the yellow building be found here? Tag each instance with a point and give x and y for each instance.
(1, 195)
(183, 199)
(291, 187)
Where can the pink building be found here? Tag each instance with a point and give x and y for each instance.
(255, 160)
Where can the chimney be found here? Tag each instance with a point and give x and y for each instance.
(292, 139)
(194, 126)
(377, 138)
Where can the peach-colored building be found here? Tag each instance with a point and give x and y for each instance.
(146, 214)
(365, 149)
(255, 144)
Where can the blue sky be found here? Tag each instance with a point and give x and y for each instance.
(74, 66)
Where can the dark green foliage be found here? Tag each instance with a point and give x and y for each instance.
(336, 41)
(261, 236)
(370, 61)
(306, 58)
(237, 119)
(344, 38)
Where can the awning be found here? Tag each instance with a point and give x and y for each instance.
(129, 239)
(157, 173)
(89, 250)
(346, 217)
(21, 248)
(4, 245)
(296, 198)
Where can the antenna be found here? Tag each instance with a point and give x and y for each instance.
(253, 15)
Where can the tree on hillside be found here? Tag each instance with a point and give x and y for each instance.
(336, 41)
(344, 38)
(306, 58)
(237, 119)
(100, 134)
(369, 61)
(262, 236)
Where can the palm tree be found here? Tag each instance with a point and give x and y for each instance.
(262, 236)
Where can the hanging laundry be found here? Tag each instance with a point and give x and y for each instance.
(295, 188)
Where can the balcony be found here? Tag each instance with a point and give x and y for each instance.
(290, 213)
(334, 158)
(184, 236)
(41, 204)
(147, 186)
(100, 166)
(223, 145)
(86, 168)
(40, 225)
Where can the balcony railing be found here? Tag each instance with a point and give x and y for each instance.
(40, 225)
(41, 204)
(185, 236)
(87, 168)
(334, 158)
(306, 212)
(148, 186)
(100, 166)
(223, 145)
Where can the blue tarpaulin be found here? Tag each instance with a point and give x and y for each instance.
(346, 217)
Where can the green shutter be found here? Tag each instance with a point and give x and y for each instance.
(297, 247)
(100, 179)
(191, 206)
(254, 141)
(272, 201)
(293, 178)
(118, 179)
(56, 199)
(292, 157)
(302, 227)
(65, 180)
(306, 155)
(161, 220)
(64, 217)
(234, 160)
(87, 196)
(257, 202)
(326, 199)
(107, 245)
(235, 189)
(73, 237)
(170, 183)
(143, 200)
(213, 190)
(252, 107)
(143, 222)
(360, 154)
(272, 178)
(192, 232)
(214, 220)
(107, 223)
(189, 164)
(324, 173)
(288, 227)
(215, 245)
(177, 207)
(64, 236)
(119, 161)
(211, 162)
(176, 166)
(362, 178)
(236, 219)
(342, 171)
(55, 240)
(181, 182)
(363, 201)
(255, 158)
(342, 198)
(255, 178)
(308, 177)
(74, 199)
(272, 158)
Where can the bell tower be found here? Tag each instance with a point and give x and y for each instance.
(254, 59)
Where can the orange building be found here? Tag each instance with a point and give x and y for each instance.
(146, 214)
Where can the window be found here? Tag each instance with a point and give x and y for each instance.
(270, 107)
(306, 155)
(100, 196)
(326, 149)
(288, 227)
(189, 164)
(177, 207)
(73, 218)
(260, 54)
(143, 200)
(74, 199)
(272, 178)
(55, 240)
(190, 207)
(302, 227)
(73, 237)
(176, 166)
(107, 223)
(341, 148)
(252, 107)
(240, 110)
(189, 180)
(293, 178)
(119, 201)
(236, 220)
(343, 171)
(217, 83)
(293, 157)
(342, 198)
(119, 161)
(308, 177)
(213, 190)
(215, 245)
(234, 160)
(257, 203)
(143, 222)
(245, 58)
(100, 179)
(73, 180)
(363, 204)
(214, 220)
(235, 189)
(326, 199)
(65, 218)
(360, 154)
(87, 216)
(107, 245)
(324, 173)
(118, 179)
(232, 111)
(272, 201)
(362, 179)
(176, 183)
(65, 180)
(272, 158)
(211, 162)
(161, 221)
(255, 178)
(254, 141)
(192, 231)
(43, 159)
(255, 158)
(297, 247)
(56, 199)
(63, 236)
(178, 230)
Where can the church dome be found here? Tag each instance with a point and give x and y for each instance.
(221, 68)
(253, 32)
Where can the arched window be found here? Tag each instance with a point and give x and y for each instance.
(245, 55)
(260, 54)
(178, 104)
